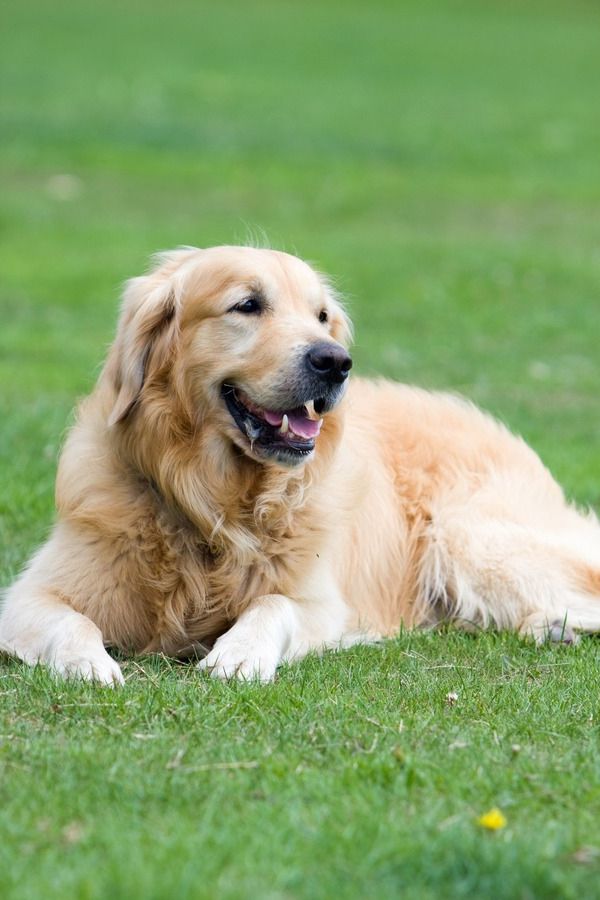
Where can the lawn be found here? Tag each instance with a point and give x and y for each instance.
(440, 160)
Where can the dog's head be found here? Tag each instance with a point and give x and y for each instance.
(251, 342)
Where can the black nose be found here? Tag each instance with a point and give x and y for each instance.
(329, 360)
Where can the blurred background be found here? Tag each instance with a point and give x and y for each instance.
(440, 159)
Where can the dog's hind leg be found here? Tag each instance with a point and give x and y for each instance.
(541, 628)
(496, 572)
(578, 614)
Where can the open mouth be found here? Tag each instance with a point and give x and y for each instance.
(288, 434)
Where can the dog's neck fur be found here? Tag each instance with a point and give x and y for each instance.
(232, 502)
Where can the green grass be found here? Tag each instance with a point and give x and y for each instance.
(441, 160)
(351, 776)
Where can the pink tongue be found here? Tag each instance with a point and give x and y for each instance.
(304, 427)
(272, 418)
(299, 424)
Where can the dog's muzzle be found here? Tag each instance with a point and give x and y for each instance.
(288, 432)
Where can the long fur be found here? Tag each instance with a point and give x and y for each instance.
(171, 535)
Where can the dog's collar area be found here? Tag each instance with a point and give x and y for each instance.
(287, 434)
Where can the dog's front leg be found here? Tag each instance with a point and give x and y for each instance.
(38, 626)
(256, 644)
(275, 628)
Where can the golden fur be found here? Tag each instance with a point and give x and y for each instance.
(174, 533)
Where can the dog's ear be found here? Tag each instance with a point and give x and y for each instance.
(148, 322)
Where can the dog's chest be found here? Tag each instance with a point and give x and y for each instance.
(234, 577)
(200, 592)
(203, 589)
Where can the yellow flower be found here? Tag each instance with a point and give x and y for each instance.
(492, 820)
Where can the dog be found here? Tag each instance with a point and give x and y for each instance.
(227, 491)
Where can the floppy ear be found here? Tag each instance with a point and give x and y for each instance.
(149, 311)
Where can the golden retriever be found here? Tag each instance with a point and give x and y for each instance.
(225, 486)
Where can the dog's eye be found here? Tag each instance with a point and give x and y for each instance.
(248, 306)
(323, 316)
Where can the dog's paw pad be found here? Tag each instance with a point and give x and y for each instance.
(561, 633)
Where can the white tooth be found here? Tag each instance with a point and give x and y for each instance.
(310, 408)
(285, 425)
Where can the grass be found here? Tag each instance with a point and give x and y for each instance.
(440, 159)
(351, 776)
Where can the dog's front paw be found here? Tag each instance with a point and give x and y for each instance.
(231, 658)
(94, 666)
